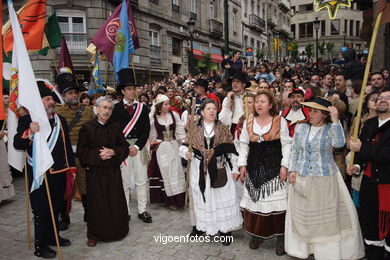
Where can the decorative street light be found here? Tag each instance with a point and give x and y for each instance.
(277, 45)
(316, 25)
(191, 25)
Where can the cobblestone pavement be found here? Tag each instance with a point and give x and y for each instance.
(138, 244)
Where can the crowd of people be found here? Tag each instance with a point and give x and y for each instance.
(267, 149)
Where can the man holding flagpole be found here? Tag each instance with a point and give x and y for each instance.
(61, 151)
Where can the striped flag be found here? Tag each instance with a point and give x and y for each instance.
(28, 96)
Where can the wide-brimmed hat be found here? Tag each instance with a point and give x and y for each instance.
(65, 81)
(47, 90)
(241, 76)
(318, 103)
(126, 78)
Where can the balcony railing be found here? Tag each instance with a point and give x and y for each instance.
(285, 4)
(155, 53)
(176, 8)
(256, 22)
(193, 15)
(216, 28)
(272, 21)
(77, 42)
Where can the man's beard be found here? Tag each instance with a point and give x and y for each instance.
(50, 110)
(72, 101)
(382, 110)
(295, 106)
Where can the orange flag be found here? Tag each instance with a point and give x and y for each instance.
(32, 19)
(2, 110)
(384, 7)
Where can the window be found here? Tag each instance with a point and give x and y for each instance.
(335, 27)
(252, 43)
(154, 40)
(351, 27)
(345, 27)
(176, 47)
(73, 27)
(305, 30)
(305, 8)
(357, 28)
(154, 1)
(234, 22)
(213, 9)
(246, 41)
(263, 11)
(193, 6)
(323, 27)
(245, 8)
(293, 30)
(176, 6)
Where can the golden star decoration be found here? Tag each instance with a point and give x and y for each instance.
(332, 5)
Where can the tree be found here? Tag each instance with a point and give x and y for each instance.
(322, 48)
(206, 64)
(260, 54)
(329, 48)
(294, 50)
(309, 49)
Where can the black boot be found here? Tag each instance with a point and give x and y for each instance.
(45, 252)
(375, 252)
(279, 250)
(227, 238)
(64, 220)
(63, 242)
(195, 232)
(40, 244)
(84, 201)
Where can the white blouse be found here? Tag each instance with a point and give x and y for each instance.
(180, 133)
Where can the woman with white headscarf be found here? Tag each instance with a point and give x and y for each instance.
(167, 182)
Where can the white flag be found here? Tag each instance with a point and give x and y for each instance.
(29, 97)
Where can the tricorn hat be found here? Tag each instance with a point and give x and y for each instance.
(241, 76)
(318, 103)
(47, 90)
(296, 91)
(65, 81)
(126, 78)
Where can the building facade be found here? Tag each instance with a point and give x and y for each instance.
(342, 31)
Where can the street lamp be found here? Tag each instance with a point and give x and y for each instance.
(277, 45)
(191, 25)
(316, 25)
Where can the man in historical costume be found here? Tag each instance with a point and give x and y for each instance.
(134, 120)
(233, 104)
(61, 150)
(202, 91)
(76, 115)
(6, 184)
(373, 157)
(295, 113)
(101, 149)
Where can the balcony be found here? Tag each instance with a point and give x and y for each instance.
(285, 5)
(193, 15)
(284, 29)
(155, 54)
(175, 8)
(216, 28)
(256, 22)
(272, 21)
(77, 42)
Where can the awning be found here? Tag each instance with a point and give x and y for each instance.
(198, 54)
(216, 58)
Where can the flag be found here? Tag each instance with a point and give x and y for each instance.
(65, 60)
(7, 63)
(2, 110)
(32, 19)
(24, 87)
(384, 7)
(52, 34)
(123, 42)
(96, 71)
(104, 38)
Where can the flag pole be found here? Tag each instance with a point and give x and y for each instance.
(52, 217)
(54, 61)
(27, 203)
(132, 66)
(365, 79)
(105, 75)
(4, 123)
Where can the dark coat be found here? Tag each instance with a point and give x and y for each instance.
(377, 154)
(142, 127)
(107, 216)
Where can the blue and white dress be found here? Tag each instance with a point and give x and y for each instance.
(321, 218)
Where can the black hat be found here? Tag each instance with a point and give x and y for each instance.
(241, 76)
(46, 90)
(126, 78)
(203, 83)
(296, 91)
(318, 103)
(65, 81)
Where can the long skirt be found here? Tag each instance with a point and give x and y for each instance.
(6, 184)
(107, 216)
(321, 219)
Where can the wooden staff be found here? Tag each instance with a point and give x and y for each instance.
(105, 75)
(54, 61)
(246, 107)
(27, 203)
(4, 123)
(190, 144)
(52, 218)
(365, 79)
(132, 67)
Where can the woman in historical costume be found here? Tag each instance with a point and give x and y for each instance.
(321, 218)
(6, 184)
(101, 149)
(263, 161)
(167, 181)
(213, 191)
